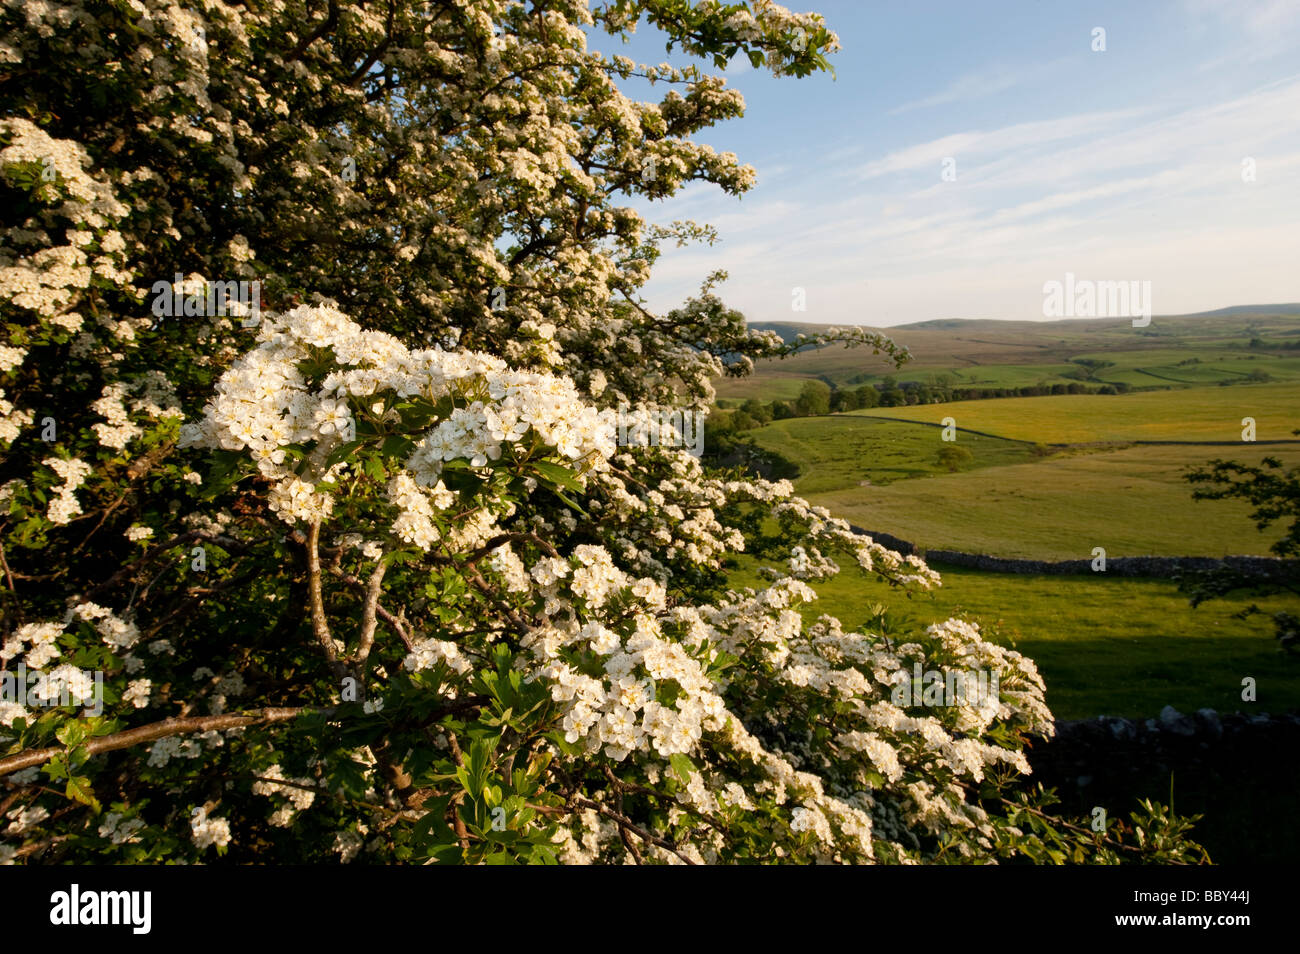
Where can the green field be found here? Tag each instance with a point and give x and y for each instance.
(1193, 414)
(1179, 367)
(1133, 501)
(844, 451)
(768, 387)
(1158, 368)
(1104, 645)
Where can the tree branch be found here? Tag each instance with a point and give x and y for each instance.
(385, 615)
(624, 822)
(329, 23)
(368, 615)
(319, 625)
(157, 730)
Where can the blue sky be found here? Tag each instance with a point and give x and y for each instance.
(1117, 165)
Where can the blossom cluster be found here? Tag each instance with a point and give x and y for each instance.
(265, 403)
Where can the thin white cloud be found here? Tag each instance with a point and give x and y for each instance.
(995, 141)
(1251, 31)
(1259, 18)
(966, 88)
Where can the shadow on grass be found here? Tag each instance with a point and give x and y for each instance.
(1242, 782)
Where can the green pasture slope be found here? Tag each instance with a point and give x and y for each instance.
(1104, 646)
(1191, 414)
(843, 452)
(1133, 500)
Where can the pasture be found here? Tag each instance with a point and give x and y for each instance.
(1104, 645)
(1132, 500)
(1191, 414)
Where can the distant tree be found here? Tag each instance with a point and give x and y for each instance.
(953, 457)
(760, 413)
(723, 423)
(783, 410)
(814, 399)
(740, 420)
(868, 396)
(844, 400)
(1274, 493)
(1090, 366)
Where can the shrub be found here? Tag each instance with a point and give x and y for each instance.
(954, 458)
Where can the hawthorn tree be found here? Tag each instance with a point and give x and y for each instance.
(358, 563)
(1274, 495)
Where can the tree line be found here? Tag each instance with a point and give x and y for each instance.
(818, 398)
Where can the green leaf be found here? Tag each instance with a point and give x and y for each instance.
(571, 504)
(79, 789)
(557, 475)
(542, 855)
(432, 830)
(395, 445)
(72, 734)
(683, 767)
(447, 854)
(342, 452)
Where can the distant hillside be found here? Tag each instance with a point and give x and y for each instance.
(789, 330)
(1224, 346)
(1292, 309)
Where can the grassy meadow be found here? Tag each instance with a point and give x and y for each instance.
(1052, 477)
(1104, 645)
(1192, 414)
(1010, 501)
